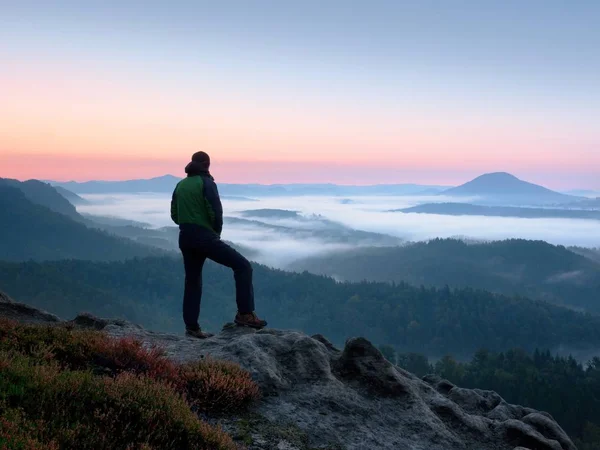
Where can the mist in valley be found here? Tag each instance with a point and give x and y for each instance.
(330, 223)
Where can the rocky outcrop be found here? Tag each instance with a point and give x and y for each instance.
(5, 298)
(357, 399)
(10, 309)
(317, 396)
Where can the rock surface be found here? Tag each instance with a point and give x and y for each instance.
(10, 309)
(316, 396)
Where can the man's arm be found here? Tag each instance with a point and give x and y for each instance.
(215, 208)
(174, 215)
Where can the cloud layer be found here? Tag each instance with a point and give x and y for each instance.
(280, 241)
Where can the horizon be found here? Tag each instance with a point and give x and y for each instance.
(380, 93)
(323, 183)
(236, 176)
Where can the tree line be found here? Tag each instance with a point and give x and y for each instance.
(433, 321)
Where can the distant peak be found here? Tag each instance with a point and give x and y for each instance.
(165, 177)
(502, 187)
(498, 175)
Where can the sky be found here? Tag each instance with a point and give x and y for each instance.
(350, 92)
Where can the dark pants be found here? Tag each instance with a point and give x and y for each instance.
(198, 244)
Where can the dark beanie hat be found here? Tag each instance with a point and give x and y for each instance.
(201, 158)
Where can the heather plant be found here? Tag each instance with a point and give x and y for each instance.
(85, 349)
(16, 433)
(67, 388)
(74, 349)
(218, 386)
(130, 355)
(81, 410)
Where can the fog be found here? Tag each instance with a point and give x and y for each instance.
(279, 241)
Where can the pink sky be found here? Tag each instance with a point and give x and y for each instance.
(80, 126)
(99, 100)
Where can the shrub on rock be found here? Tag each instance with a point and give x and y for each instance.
(218, 386)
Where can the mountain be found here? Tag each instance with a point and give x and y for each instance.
(62, 201)
(534, 269)
(351, 398)
(32, 231)
(467, 209)
(166, 184)
(45, 195)
(504, 188)
(427, 320)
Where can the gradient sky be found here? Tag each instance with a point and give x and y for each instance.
(302, 91)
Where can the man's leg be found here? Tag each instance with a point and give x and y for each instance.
(223, 254)
(193, 262)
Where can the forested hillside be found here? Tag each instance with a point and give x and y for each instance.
(71, 197)
(43, 194)
(590, 253)
(32, 231)
(427, 320)
(533, 269)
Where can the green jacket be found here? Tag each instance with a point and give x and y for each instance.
(196, 201)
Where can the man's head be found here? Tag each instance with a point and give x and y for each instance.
(201, 158)
(199, 164)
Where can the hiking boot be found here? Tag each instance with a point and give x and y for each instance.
(250, 320)
(197, 333)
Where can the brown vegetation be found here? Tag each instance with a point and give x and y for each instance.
(67, 388)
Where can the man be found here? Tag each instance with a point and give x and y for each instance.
(196, 208)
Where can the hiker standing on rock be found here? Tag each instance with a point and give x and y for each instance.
(196, 208)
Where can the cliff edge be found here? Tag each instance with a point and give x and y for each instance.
(318, 396)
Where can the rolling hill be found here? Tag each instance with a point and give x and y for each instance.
(62, 201)
(32, 231)
(534, 269)
(166, 184)
(45, 195)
